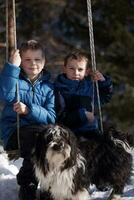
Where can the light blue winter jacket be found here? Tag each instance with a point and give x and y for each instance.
(39, 97)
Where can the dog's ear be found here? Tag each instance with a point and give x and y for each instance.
(37, 148)
(39, 152)
(74, 147)
(130, 139)
(121, 135)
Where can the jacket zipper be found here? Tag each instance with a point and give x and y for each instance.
(33, 90)
(32, 93)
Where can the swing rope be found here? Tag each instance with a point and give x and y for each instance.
(14, 22)
(17, 84)
(93, 61)
(7, 47)
(17, 151)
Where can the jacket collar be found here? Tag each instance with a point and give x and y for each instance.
(43, 76)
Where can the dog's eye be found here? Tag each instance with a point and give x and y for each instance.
(48, 138)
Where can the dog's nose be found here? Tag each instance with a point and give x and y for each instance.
(58, 147)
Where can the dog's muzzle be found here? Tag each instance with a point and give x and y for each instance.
(57, 146)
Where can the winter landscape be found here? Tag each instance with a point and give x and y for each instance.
(63, 28)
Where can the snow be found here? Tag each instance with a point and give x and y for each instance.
(9, 187)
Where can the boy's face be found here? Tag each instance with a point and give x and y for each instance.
(75, 69)
(32, 62)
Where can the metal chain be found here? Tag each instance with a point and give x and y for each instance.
(93, 61)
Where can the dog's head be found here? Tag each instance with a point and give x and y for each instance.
(112, 131)
(55, 147)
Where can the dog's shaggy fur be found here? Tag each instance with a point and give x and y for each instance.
(65, 167)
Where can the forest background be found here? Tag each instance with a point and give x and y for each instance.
(62, 25)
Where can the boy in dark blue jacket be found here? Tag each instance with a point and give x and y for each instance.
(36, 107)
(76, 94)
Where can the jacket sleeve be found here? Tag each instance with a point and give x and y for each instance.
(105, 90)
(8, 80)
(68, 117)
(75, 118)
(46, 114)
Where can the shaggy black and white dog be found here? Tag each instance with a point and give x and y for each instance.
(65, 167)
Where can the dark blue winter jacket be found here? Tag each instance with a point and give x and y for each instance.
(39, 97)
(74, 97)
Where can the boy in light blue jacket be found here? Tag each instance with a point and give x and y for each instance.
(36, 106)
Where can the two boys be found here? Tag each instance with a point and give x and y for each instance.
(74, 99)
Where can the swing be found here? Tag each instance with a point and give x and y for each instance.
(93, 64)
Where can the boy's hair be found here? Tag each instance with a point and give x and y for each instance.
(76, 55)
(32, 45)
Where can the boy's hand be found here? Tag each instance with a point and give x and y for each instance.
(90, 116)
(97, 76)
(20, 108)
(15, 58)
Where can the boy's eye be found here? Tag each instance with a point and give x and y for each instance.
(80, 70)
(37, 59)
(27, 59)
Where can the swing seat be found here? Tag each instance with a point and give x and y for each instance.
(27, 139)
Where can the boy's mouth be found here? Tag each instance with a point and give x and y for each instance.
(76, 78)
(32, 68)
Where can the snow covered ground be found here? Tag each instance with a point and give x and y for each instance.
(9, 187)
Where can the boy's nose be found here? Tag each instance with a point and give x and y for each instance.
(33, 62)
(76, 72)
